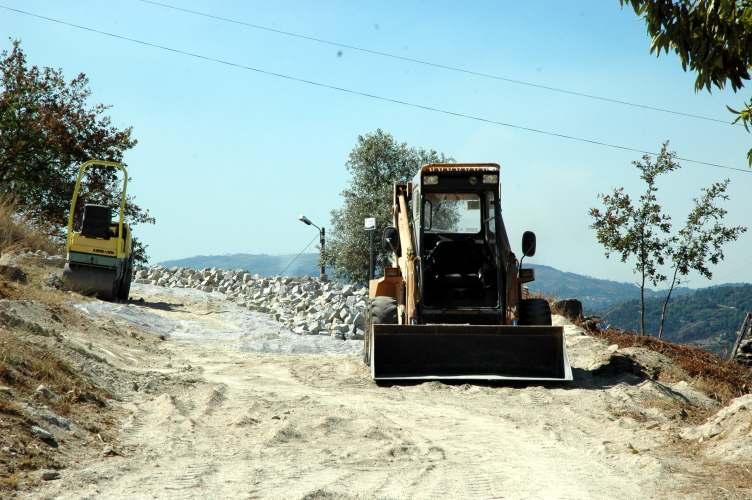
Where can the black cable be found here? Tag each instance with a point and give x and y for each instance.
(437, 65)
(366, 94)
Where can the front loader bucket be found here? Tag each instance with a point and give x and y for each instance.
(468, 352)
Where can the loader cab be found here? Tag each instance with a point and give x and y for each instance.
(462, 244)
(450, 306)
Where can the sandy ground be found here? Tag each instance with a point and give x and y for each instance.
(254, 411)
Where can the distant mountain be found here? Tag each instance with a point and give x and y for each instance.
(708, 317)
(597, 295)
(306, 264)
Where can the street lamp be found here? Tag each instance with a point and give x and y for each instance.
(322, 237)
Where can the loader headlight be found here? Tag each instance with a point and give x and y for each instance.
(490, 179)
(431, 180)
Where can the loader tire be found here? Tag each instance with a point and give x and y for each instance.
(381, 310)
(534, 312)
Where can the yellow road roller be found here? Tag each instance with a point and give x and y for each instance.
(99, 252)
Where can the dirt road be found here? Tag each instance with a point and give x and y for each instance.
(253, 411)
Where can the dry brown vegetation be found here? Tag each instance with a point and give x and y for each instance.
(35, 289)
(29, 359)
(7, 290)
(720, 379)
(24, 366)
(19, 233)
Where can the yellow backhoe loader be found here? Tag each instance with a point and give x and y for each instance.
(99, 254)
(451, 305)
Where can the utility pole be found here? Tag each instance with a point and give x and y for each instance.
(322, 241)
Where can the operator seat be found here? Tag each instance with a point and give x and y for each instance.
(454, 273)
(96, 221)
(457, 264)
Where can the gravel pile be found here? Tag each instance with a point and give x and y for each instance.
(307, 306)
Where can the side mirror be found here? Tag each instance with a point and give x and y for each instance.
(391, 239)
(528, 243)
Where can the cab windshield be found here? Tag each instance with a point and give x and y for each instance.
(451, 213)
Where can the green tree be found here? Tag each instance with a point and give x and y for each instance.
(48, 128)
(713, 38)
(376, 162)
(700, 242)
(638, 230)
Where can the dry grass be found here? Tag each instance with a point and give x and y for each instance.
(37, 274)
(735, 478)
(722, 380)
(19, 233)
(29, 358)
(34, 288)
(23, 367)
(7, 290)
(26, 361)
(532, 294)
(9, 482)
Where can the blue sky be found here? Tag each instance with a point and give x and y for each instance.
(227, 158)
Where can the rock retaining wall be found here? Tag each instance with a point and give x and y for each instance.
(306, 305)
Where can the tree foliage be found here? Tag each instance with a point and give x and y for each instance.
(699, 244)
(638, 230)
(643, 232)
(47, 128)
(376, 162)
(713, 38)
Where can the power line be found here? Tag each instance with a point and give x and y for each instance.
(299, 254)
(366, 94)
(446, 67)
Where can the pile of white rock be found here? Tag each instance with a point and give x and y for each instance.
(307, 306)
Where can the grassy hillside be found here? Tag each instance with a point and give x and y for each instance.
(708, 317)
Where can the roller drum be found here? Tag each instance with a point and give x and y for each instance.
(96, 281)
